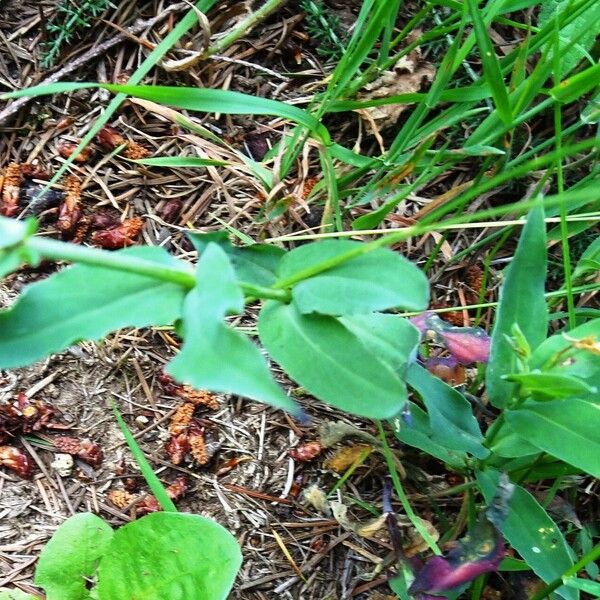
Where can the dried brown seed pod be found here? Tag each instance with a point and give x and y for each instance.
(135, 151)
(9, 202)
(108, 137)
(177, 447)
(120, 498)
(182, 418)
(148, 504)
(118, 237)
(68, 445)
(35, 172)
(66, 148)
(16, 460)
(170, 210)
(69, 211)
(104, 220)
(306, 452)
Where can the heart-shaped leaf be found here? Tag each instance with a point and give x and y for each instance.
(169, 556)
(71, 557)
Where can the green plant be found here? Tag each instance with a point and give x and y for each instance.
(324, 28)
(162, 555)
(70, 19)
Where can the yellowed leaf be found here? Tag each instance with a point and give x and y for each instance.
(346, 456)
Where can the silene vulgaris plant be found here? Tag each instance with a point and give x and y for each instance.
(329, 317)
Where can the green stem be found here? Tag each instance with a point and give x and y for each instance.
(413, 518)
(588, 557)
(245, 26)
(56, 250)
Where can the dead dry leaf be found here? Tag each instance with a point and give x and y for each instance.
(345, 457)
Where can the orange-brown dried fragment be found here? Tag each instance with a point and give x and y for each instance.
(16, 460)
(69, 212)
(67, 444)
(148, 504)
(135, 151)
(181, 418)
(66, 148)
(120, 236)
(120, 498)
(178, 488)
(198, 447)
(197, 397)
(306, 452)
(11, 188)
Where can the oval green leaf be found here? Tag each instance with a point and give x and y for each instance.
(86, 303)
(566, 429)
(169, 556)
(374, 281)
(329, 361)
(71, 557)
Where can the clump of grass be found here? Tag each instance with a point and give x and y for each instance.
(323, 27)
(71, 17)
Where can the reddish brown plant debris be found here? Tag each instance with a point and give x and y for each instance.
(104, 220)
(148, 503)
(309, 184)
(9, 202)
(81, 230)
(120, 236)
(110, 138)
(306, 452)
(69, 211)
(16, 460)
(448, 369)
(131, 484)
(178, 488)
(87, 451)
(171, 210)
(188, 393)
(35, 172)
(66, 148)
(455, 317)
(25, 416)
(177, 448)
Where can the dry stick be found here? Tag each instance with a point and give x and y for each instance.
(138, 27)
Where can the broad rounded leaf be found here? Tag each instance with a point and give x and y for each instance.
(532, 533)
(86, 303)
(330, 361)
(72, 556)
(12, 231)
(169, 556)
(214, 356)
(391, 338)
(566, 429)
(374, 281)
